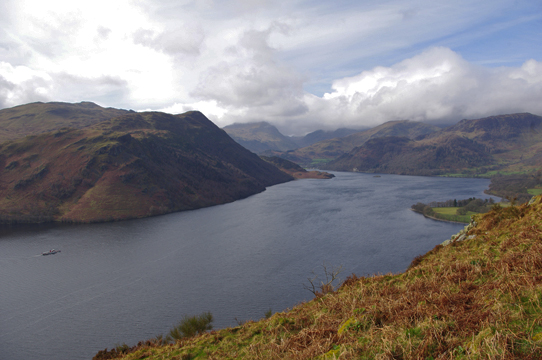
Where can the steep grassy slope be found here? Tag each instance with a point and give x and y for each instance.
(37, 118)
(480, 297)
(508, 143)
(259, 137)
(324, 151)
(136, 165)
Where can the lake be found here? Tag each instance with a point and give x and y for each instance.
(123, 282)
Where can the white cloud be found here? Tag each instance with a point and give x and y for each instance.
(261, 60)
(20, 84)
(209, 108)
(531, 72)
(437, 85)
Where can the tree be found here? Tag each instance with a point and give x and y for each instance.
(428, 210)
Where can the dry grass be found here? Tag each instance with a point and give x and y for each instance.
(476, 299)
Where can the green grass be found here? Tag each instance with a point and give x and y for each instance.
(450, 214)
(497, 172)
(469, 173)
(534, 192)
(449, 211)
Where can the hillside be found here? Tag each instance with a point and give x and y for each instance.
(479, 297)
(400, 155)
(259, 137)
(507, 143)
(132, 166)
(37, 118)
(501, 133)
(327, 150)
(517, 186)
(321, 135)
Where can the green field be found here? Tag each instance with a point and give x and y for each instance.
(450, 214)
(534, 192)
(475, 172)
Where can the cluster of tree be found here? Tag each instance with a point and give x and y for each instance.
(459, 203)
(474, 205)
(463, 206)
(423, 209)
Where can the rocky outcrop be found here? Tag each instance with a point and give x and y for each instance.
(462, 235)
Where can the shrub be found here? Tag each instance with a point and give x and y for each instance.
(418, 207)
(332, 275)
(190, 326)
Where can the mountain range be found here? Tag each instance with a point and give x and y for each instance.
(504, 143)
(264, 138)
(84, 163)
(319, 153)
(510, 143)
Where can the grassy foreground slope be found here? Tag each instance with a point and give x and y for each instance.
(479, 298)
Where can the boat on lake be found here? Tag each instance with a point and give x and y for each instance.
(51, 252)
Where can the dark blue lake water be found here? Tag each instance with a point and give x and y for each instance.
(123, 282)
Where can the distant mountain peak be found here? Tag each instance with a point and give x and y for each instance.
(259, 137)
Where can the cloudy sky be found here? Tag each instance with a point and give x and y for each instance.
(299, 64)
